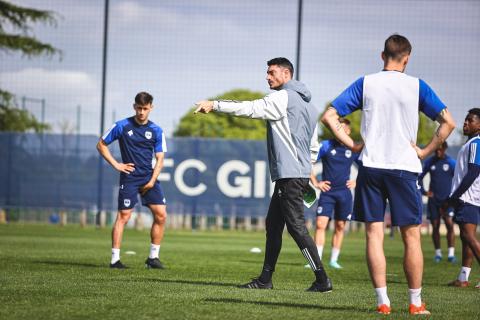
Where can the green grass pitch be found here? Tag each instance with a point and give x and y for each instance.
(50, 272)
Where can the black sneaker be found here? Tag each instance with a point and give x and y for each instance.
(153, 264)
(118, 265)
(325, 286)
(256, 284)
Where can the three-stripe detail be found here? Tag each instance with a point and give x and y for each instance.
(307, 256)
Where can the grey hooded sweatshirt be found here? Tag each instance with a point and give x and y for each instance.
(292, 140)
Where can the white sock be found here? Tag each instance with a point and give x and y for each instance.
(464, 273)
(115, 255)
(320, 251)
(154, 251)
(451, 251)
(335, 254)
(415, 296)
(382, 297)
(438, 252)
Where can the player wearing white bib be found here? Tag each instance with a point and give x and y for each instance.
(465, 197)
(390, 102)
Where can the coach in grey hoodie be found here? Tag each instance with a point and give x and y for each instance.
(292, 147)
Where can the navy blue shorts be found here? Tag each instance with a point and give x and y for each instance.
(130, 189)
(467, 213)
(375, 186)
(434, 211)
(338, 201)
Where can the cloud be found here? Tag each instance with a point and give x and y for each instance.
(57, 84)
(63, 91)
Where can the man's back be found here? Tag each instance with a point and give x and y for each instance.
(390, 102)
(390, 121)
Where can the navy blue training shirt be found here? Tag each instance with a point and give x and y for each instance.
(441, 175)
(337, 161)
(138, 144)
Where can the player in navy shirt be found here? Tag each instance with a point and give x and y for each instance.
(336, 196)
(440, 167)
(140, 142)
(390, 101)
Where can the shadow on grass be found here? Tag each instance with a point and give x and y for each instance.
(287, 304)
(198, 283)
(69, 263)
(259, 262)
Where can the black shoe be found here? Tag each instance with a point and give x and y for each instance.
(153, 264)
(325, 286)
(256, 284)
(118, 265)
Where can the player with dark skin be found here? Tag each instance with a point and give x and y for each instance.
(468, 230)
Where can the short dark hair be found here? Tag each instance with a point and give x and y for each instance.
(396, 47)
(282, 62)
(444, 145)
(143, 98)
(475, 111)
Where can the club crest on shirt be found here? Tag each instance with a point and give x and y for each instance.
(148, 134)
(333, 152)
(130, 133)
(348, 153)
(126, 202)
(433, 168)
(446, 167)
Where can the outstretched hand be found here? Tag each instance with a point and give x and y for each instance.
(204, 106)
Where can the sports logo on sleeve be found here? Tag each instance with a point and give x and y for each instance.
(319, 210)
(333, 152)
(433, 168)
(130, 133)
(148, 134)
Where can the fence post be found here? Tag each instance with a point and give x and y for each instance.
(83, 218)
(260, 224)
(3, 217)
(139, 222)
(232, 222)
(219, 222)
(63, 218)
(103, 219)
(187, 222)
(203, 222)
(247, 222)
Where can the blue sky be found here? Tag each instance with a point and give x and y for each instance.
(184, 51)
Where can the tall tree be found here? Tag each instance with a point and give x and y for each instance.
(18, 19)
(15, 119)
(221, 125)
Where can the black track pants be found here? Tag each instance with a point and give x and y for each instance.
(286, 208)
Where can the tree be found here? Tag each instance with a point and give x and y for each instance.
(14, 119)
(220, 125)
(426, 128)
(17, 18)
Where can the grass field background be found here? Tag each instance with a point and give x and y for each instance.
(50, 272)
